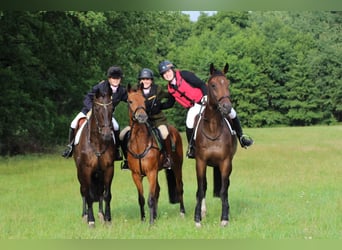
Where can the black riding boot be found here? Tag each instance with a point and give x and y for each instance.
(245, 140)
(167, 163)
(191, 149)
(118, 156)
(123, 143)
(68, 151)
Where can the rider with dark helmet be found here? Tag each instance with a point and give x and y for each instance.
(114, 77)
(190, 92)
(154, 94)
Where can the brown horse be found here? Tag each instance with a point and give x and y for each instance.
(215, 144)
(94, 157)
(145, 157)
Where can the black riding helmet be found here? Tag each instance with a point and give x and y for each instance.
(145, 73)
(165, 66)
(114, 72)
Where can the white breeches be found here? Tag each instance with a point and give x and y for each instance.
(81, 115)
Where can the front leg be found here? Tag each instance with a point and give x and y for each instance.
(201, 177)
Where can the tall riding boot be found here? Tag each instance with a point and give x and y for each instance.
(118, 156)
(124, 143)
(245, 140)
(191, 149)
(68, 151)
(167, 163)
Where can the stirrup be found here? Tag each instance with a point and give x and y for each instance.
(246, 141)
(191, 152)
(124, 165)
(118, 156)
(67, 152)
(167, 163)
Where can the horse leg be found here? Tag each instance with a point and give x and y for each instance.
(201, 173)
(153, 196)
(177, 170)
(157, 199)
(224, 196)
(100, 213)
(91, 218)
(107, 193)
(138, 183)
(203, 204)
(84, 209)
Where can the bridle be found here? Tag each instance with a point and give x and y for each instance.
(107, 124)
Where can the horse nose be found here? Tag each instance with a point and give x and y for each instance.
(225, 108)
(106, 133)
(142, 118)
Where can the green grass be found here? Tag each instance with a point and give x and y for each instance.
(286, 186)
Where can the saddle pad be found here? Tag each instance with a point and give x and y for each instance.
(78, 134)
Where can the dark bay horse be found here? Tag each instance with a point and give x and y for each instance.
(215, 144)
(145, 158)
(94, 157)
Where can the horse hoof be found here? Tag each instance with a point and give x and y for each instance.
(224, 223)
(182, 215)
(198, 224)
(85, 218)
(101, 218)
(91, 224)
(203, 213)
(108, 223)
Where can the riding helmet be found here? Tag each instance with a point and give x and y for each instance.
(145, 73)
(114, 72)
(165, 66)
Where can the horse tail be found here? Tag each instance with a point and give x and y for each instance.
(171, 184)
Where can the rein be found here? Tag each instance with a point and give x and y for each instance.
(150, 143)
(149, 146)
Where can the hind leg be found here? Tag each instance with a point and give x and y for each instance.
(177, 170)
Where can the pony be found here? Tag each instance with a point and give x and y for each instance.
(144, 157)
(94, 157)
(215, 144)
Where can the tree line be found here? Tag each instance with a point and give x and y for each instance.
(285, 67)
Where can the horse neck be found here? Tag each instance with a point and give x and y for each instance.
(140, 135)
(213, 119)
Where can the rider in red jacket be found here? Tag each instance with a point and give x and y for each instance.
(190, 91)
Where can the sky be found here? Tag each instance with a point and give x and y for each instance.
(195, 14)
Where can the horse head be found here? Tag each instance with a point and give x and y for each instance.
(218, 90)
(136, 104)
(102, 112)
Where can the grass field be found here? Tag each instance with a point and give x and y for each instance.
(286, 186)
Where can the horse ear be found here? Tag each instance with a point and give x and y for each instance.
(212, 68)
(226, 67)
(129, 87)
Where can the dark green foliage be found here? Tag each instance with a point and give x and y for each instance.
(285, 67)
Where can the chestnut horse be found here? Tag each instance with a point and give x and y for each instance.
(94, 157)
(144, 157)
(215, 144)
